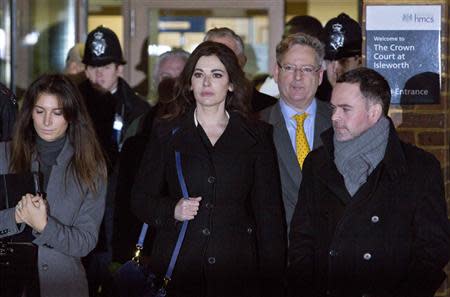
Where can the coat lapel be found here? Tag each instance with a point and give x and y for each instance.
(286, 153)
(186, 139)
(238, 137)
(322, 122)
(329, 174)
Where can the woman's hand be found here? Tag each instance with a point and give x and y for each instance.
(186, 209)
(32, 210)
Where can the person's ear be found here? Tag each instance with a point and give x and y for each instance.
(375, 112)
(120, 70)
(242, 60)
(322, 68)
(276, 72)
(230, 87)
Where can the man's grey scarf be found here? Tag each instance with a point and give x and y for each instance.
(357, 158)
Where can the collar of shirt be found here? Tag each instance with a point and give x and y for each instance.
(195, 116)
(291, 125)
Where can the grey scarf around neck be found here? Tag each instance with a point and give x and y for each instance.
(355, 159)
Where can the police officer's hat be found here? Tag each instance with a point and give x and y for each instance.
(102, 47)
(342, 38)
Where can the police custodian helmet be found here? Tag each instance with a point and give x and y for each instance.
(102, 47)
(342, 38)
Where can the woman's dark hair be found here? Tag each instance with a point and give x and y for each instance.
(238, 100)
(87, 163)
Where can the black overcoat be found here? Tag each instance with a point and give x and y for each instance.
(236, 245)
(390, 239)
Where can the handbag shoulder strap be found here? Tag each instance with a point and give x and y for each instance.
(182, 233)
(140, 242)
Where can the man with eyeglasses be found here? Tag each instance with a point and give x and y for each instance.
(298, 118)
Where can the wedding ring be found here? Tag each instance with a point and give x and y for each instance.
(19, 205)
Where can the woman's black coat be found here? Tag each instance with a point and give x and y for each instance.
(235, 246)
(391, 239)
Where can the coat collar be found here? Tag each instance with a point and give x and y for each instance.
(63, 158)
(394, 163)
(239, 135)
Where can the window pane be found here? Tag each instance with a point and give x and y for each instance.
(5, 44)
(47, 32)
(170, 28)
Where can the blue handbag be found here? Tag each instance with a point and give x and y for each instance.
(134, 279)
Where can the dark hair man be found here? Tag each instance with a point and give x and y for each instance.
(369, 222)
(303, 24)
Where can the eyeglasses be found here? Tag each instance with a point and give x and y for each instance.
(305, 69)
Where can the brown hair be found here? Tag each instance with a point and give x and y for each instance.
(87, 163)
(238, 100)
(300, 39)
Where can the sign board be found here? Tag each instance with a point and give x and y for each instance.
(403, 43)
(182, 24)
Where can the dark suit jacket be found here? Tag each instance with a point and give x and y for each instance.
(261, 100)
(235, 245)
(290, 172)
(391, 239)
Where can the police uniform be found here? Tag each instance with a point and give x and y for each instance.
(115, 117)
(342, 38)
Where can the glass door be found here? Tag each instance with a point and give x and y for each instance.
(45, 31)
(5, 42)
(154, 27)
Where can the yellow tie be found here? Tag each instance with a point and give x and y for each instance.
(301, 143)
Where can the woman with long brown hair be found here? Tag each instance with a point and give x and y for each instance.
(235, 243)
(54, 136)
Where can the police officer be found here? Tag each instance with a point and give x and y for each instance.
(111, 102)
(116, 111)
(343, 44)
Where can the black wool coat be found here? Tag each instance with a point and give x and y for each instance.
(236, 245)
(392, 238)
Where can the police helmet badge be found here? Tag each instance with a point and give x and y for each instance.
(98, 45)
(337, 36)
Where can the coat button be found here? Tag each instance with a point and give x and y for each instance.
(211, 179)
(45, 267)
(333, 253)
(375, 219)
(209, 205)
(206, 232)
(367, 256)
(211, 260)
(249, 230)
